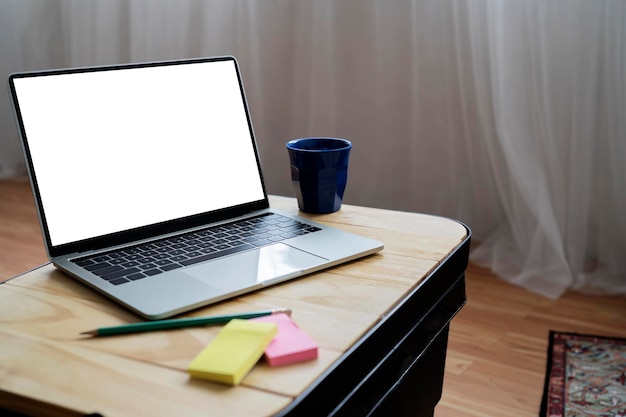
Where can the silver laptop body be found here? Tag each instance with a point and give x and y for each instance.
(142, 159)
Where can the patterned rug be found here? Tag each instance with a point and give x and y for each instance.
(585, 377)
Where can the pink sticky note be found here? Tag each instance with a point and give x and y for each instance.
(290, 345)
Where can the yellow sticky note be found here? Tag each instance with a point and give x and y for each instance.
(233, 352)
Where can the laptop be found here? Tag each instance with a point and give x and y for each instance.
(149, 188)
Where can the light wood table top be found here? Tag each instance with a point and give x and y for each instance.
(47, 368)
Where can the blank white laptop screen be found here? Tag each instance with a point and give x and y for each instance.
(125, 148)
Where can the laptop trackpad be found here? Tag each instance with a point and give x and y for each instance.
(254, 268)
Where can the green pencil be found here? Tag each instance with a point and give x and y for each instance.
(148, 326)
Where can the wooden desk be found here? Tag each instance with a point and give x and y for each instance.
(381, 324)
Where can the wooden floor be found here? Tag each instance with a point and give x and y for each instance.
(497, 348)
(21, 243)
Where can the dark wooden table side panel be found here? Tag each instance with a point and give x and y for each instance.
(399, 364)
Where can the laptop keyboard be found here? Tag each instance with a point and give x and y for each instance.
(149, 259)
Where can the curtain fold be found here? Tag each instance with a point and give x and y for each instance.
(508, 116)
(556, 81)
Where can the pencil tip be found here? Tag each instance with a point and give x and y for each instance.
(90, 332)
(286, 311)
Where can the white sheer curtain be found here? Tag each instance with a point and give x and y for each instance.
(550, 80)
(506, 115)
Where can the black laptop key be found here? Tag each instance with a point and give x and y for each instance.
(145, 260)
(135, 277)
(109, 269)
(171, 266)
(121, 273)
(237, 243)
(260, 242)
(99, 265)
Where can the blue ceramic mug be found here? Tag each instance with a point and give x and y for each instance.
(319, 172)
